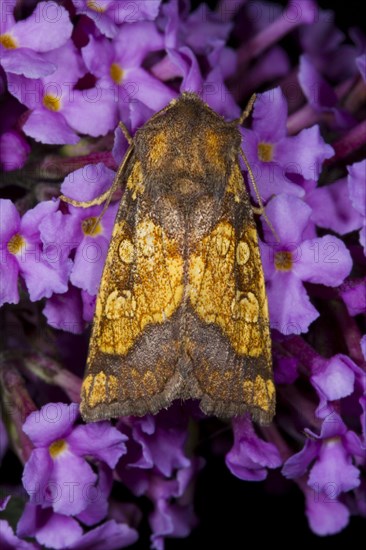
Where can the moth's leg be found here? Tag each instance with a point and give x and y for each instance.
(126, 133)
(87, 204)
(247, 110)
(258, 210)
(105, 197)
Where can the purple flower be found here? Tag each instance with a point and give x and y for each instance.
(108, 14)
(361, 66)
(49, 528)
(363, 346)
(250, 456)
(24, 43)
(324, 45)
(59, 531)
(330, 457)
(57, 473)
(14, 150)
(9, 541)
(275, 157)
(297, 259)
(332, 207)
(156, 466)
(22, 252)
(354, 296)
(118, 67)
(326, 515)
(333, 379)
(158, 444)
(173, 514)
(320, 94)
(357, 193)
(58, 111)
(78, 230)
(65, 311)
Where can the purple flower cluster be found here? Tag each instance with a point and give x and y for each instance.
(69, 72)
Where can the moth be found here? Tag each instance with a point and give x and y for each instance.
(182, 309)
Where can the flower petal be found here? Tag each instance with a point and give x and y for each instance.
(148, 89)
(357, 187)
(325, 260)
(332, 208)
(48, 127)
(36, 474)
(326, 516)
(9, 271)
(297, 465)
(250, 455)
(270, 177)
(354, 296)
(289, 306)
(26, 62)
(88, 182)
(73, 477)
(48, 27)
(303, 154)
(336, 379)
(41, 278)
(108, 536)
(9, 541)
(270, 115)
(29, 225)
(289, 216)
(98, 503)
(65, 311)
(14, 150)
(333, 471)
(135, 41)
(50, 529)
(100, 440)
(89, 263)
(91, 111)
(54, 421)
(10, 221)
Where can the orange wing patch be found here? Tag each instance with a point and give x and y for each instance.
(142, 284)
(224, 290)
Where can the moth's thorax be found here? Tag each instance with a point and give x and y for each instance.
(188, 150)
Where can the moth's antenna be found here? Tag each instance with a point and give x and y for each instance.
(244, 115)
(114, 184)
(261, 209)
(247, 110)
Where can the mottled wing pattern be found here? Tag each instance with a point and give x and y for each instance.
(229, 328)
(134, 344)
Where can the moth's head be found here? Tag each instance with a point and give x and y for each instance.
(187, 145)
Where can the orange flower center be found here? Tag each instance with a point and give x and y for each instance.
(57, 447)
(116, 73)
(265, 152)
(283, 260)
(91, 226)
(16, 244)
(51, 102)
(8, 41)
(93, 5)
